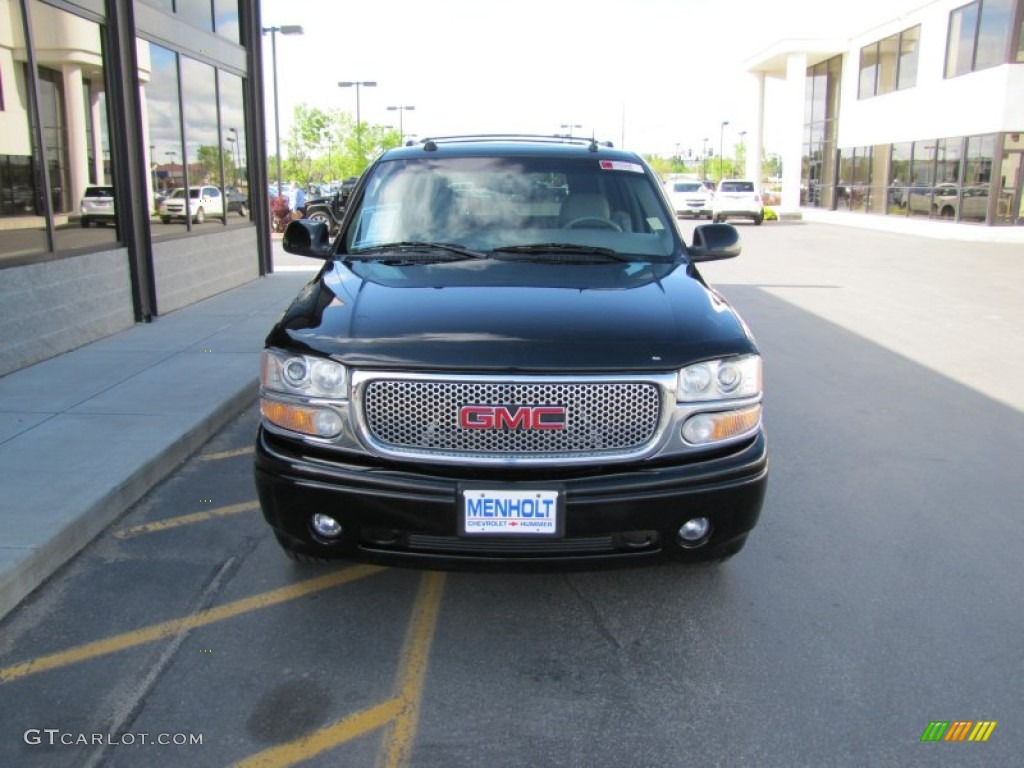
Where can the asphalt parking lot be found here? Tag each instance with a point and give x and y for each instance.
(879, 594)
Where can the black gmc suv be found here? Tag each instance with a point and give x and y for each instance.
(510, 357)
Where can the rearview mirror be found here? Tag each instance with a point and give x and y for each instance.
(307, 238)
(712, 242)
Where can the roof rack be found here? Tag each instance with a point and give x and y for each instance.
(430, 143)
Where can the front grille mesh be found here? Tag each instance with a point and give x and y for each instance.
(422, 416)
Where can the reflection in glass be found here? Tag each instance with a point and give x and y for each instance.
(24, 230)
(225, 17)
(203, 148)
(909, 44)
(888, 50)
(236, 164)
(196, 13)
(899, 176)
(993, 33)
(868, 71)
(158, 73)
(960, 45)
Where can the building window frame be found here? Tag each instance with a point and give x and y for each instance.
(964, 31)
(893, 78)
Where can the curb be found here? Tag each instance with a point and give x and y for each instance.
(26, 576)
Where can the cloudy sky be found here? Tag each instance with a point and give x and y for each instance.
(650, 74)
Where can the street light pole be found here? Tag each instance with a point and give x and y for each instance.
(401, 124)
(359, 130)
(568, 127)
(721, 146)
(235, 155)
(288, 29)
(704, 158)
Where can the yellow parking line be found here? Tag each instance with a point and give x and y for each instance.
(396, 750)
(402, 710)
(319, 741)
(227, 454)
(184, 624)
(176, 522)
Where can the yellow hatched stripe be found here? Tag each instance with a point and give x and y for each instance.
(319, 741)
(175, 626)
(227, 454)
(177, 522)
(396, 750)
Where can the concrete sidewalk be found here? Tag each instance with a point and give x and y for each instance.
(84, 435)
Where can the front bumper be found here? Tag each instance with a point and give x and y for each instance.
(408, 514)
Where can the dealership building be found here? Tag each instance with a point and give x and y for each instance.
(107, 106)
(919, 118)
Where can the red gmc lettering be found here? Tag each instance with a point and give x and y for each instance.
(516, 417)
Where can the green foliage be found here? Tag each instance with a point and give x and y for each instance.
(207, 163)
(770, 215)
(326, 145)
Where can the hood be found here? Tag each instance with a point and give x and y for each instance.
(502, 316)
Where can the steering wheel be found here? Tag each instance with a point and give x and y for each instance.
(588, 222)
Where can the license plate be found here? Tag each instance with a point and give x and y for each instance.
(507, 512)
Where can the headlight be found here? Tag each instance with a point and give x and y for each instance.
(303, 375)
(706, 428)
(726, 379)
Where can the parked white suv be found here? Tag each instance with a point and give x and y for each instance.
(201, 202)
(689, 197)
(738, 198)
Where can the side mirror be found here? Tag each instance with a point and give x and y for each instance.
(712, 242)
(307, 238)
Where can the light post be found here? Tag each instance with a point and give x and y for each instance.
(287, 29)
(359, 130)
(721, 145)
(567, 127)
(401, 110)
(743, 146)
(235, 150)
(231, 155)
(171, 154)
(704, 159)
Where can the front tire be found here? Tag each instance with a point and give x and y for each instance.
(759, 219)
(243, 210)
(200, 217)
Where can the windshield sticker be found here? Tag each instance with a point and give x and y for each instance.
(621, 165)
(377, 225)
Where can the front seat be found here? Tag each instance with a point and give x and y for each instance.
(584, 205)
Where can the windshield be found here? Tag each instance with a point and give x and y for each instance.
(678, 187)
(737, 186)
(513, 206)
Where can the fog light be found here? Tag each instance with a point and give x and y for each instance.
(694, 532)
(326, 526)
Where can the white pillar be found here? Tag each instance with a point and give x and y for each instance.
(793, 135)
(756, 146)
(99, 126)
(78, 155)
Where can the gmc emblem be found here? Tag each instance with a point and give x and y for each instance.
(512, 417)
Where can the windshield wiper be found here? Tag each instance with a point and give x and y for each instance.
(557, 249)
(403, 252)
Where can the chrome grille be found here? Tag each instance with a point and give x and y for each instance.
(422, 416)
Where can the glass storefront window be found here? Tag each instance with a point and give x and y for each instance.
(236, 163)
(75, 148)
(909, 43)
(899, 176)
(21, 221)
(868, 71)
(878, 179)
(196, 13)
(888, 52)
(203, 147)
(960, 43)
(977, 181)
(919, 196)
(994, 33)
(163, 133)
(225, 18)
